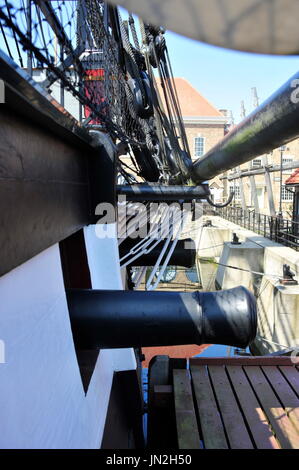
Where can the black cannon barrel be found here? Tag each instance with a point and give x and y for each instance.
(184, 253)
(274, 123)
(120, 319)
(157, 192)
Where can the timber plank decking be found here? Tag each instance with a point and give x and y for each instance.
(235, 403)
(210, 419)
(254, 415)
(188, 436)
(234, 424)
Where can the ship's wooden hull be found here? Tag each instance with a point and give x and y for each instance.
(42, 398)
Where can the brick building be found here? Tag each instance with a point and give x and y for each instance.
(205, 125)
(287, 154)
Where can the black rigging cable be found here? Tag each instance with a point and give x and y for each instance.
(133, 31)
(14, 35)
(5, 40)
(41, 29)
(177, 104)
(113, 47)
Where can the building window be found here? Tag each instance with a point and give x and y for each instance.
(287, 160)
(257, 162)
(285, 194)
(236, 189)
(199, 146)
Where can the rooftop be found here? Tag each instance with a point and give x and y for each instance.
(293, 179)
(192, 103)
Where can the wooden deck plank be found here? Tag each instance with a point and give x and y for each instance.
(244, 361)
(232, 417)
(292, 375)
(210, 420)
(187, 430)
(254, 415)
(281, 425)
(286, 395)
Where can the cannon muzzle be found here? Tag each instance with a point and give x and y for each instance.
(121, 319)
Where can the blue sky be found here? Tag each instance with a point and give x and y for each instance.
(226, 77)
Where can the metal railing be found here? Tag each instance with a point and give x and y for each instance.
(276, 228)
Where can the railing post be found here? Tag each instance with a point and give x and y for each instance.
(274, 228)
(264, 225)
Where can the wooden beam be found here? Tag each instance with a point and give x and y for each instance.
(254, 415)
(161, 429)
(44, 191)
(283, 428)
(292, 376)
(254, 193)
(242, 194)
(53, 173)
(234, 423)
(162, 395)
(186, 423)
(246, 360)
(270, 197)
(210, 421)
(286, 395)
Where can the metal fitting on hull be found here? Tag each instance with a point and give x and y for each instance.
(157, 192)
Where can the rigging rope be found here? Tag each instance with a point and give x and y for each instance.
(92, 38)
